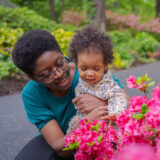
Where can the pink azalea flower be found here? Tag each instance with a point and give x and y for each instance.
(80, 156)
(158, 148)
(134, 152)
(131, 82)
(156, 94)
(137, 137)
(94, 140)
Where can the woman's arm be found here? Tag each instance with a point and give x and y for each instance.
(97, 113)
(85, 103)
(55, 137)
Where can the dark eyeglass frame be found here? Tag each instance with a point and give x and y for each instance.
(58, 69)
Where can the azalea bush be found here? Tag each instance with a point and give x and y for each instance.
(93, 140)
(73, 17)
(132, 21)
(137, 136)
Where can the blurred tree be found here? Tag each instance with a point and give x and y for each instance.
(36, 5)
(100, 17)
(157, 8)
(52, 10)
(52, 5)
(133, 6)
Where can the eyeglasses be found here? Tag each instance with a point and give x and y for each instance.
(50, 76)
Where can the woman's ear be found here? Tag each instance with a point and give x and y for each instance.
(32, 77)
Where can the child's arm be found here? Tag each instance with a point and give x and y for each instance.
(118, 102)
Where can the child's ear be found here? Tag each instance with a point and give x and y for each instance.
(106, 68)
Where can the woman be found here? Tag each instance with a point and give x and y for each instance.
(48, 96)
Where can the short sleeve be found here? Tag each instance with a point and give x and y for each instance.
(117, 81)
(35, 107)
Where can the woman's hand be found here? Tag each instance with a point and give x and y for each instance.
(85, 103)
(98, 113)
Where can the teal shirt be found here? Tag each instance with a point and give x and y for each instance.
(42, 106)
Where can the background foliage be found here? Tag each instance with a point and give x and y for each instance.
(132, 26)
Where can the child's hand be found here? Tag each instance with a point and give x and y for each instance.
(112, 118)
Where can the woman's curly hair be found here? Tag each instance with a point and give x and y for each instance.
(30, 46)
(91, 39)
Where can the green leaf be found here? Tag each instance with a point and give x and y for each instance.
(91, 144)
(97, 125)
(100, 138)
(144, 108)
(72, 146)
(146, 78)
(155, 130)
(92, 128)
(151, 84)
(138, 116)
(139, 80)
(95, 128)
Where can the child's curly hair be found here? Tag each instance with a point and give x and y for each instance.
(91, 39)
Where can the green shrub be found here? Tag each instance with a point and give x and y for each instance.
(25, 19)
(7, 68)
(123, 57)
(8, 38)
(64, 38)
(119, 36)
(42, 8)
(145, 8)
(144, 43)
(128, 49)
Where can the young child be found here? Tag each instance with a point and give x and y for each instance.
(92, 52)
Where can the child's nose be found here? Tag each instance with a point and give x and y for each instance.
(90, 73)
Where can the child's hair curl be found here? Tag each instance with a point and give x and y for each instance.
(91, 39)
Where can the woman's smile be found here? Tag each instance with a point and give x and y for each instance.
(64, 82)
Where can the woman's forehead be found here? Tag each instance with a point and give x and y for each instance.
(47, 59)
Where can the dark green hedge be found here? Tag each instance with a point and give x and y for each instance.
(25, 18)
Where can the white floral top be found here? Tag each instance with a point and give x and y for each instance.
(106, 89)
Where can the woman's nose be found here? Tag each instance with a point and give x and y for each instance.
(57, 73)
